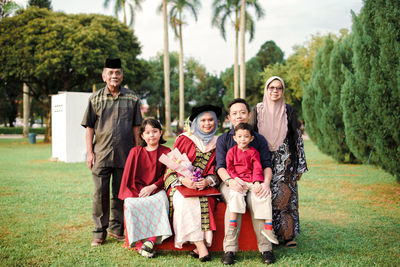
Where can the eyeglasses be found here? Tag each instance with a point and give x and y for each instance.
(272, 88)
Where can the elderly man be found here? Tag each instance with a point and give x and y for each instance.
(239, 112)
(113, 117)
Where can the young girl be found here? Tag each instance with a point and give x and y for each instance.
(145, 202)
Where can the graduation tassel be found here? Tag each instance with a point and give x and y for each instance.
(187, 127)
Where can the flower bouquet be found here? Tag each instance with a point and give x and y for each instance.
(180, 163)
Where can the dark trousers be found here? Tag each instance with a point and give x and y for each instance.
(102, 216)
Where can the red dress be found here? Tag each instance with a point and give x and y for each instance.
(145, 217)
(142, 168)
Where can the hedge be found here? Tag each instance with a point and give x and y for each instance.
(19, 130)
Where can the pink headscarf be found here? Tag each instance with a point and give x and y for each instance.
(272, 118)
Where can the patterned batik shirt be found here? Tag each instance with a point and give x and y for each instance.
(112, 119)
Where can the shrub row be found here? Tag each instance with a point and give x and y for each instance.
(352, 105)
(19, 130)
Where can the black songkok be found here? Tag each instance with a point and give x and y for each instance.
(112, 63)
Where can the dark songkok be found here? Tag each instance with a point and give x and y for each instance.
(112, 63)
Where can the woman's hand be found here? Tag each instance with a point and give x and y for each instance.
(202, 183)
(147, 190)
(189, 183)
(262, 190)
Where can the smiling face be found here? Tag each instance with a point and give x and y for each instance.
(112, 77)
(243, 138)
(275, 90)
(151, 135)
(238, 113)
(207, 123)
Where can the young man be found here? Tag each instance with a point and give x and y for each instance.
(239, 112)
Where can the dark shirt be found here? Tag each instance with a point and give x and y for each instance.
(225, 142)
(112, 120)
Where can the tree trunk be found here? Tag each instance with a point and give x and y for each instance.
(123, 8)
(26, 111)
(236, 66)
(47, 136)
(242, 50)
(181, 82)
(167, 96)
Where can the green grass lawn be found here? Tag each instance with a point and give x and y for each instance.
(349, 216)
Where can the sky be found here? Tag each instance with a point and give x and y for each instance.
(287, 23)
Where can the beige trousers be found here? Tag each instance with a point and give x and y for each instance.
(261, 206)
(258, 224)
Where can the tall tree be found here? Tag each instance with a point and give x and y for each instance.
(200, 86)
(123, 5)
(246, 24)
(242, 50)
(225, 11)
(177, 19)
(9, 109)
(167, 96)
(10, 95)
(321, 100)
(296, 70)
(52, 51)
(371, 95)
(40, 3)
(269, 54)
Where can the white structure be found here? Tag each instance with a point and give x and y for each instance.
(68, 136)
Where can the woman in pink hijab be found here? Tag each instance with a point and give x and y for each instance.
(277, 122)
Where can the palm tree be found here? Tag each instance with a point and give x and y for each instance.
(246, 24)
(177, 20)
(121, 4)
(167, 96)
(229, 11)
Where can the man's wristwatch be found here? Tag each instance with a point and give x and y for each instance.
(227, 181)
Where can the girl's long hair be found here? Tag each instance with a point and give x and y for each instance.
(153, 123)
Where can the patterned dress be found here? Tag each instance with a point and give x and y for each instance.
(287, 162)
(284, 188)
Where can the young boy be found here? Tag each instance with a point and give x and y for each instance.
(243, 163)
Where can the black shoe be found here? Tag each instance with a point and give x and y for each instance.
(228, 258)
(205, 258)
(268, 257)
(193, 254)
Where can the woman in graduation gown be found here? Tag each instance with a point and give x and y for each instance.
(193, 217)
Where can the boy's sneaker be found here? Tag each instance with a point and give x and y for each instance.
(147, 249)
(146, 254)
(270, 236)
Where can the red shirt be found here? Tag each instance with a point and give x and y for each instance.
(142, 168)
(244, 164)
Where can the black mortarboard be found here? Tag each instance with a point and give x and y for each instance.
(112, 63)
(197, 110)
